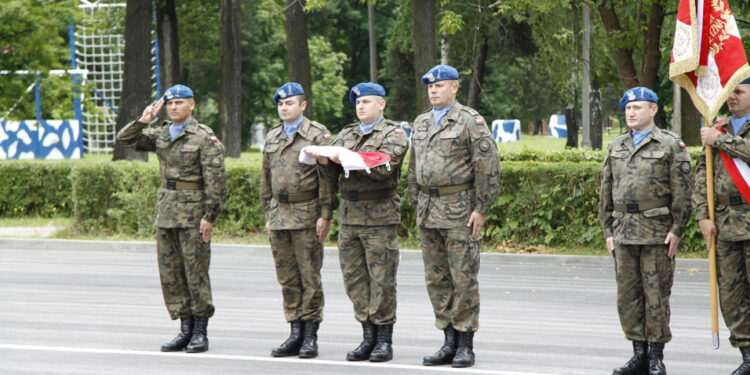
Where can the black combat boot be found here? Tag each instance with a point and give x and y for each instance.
(292, 344)
(383, 351)
(655, 357)
(309, 347)
(445, 354)
(199, 342)
(181, 340)
(362, 352)
(637, 364)
(744, 368)
(465, 352)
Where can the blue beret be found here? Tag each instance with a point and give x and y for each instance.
(177, 92)
(286, 90)
(439, 73)
(638, 94)
(364, 89)
(746, 81)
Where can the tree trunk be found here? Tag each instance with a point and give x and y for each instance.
(690, 120)
(169, 44)
(230, 78)
(571, 122)
(623, 56)
(651, 52)
(297, 50)
(425, 50)
(475, 86)
(136, 77)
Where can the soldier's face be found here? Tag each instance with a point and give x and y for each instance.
(180, 110)
(442, 93)
(639, 115)
(739, 100)
(290, 109)
(370, 108)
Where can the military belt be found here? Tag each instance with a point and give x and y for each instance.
(285, 197)
(352, 195)
(731, 200)
(181, 185)
(641, 206)
(436, 191)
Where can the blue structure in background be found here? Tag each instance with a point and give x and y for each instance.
(558, 127)
(506, 130)
(45, 139)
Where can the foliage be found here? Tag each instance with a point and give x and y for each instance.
(35, 188)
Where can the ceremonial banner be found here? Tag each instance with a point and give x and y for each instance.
(349, 160)
(708, 59)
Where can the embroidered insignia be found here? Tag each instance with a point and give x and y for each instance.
(479, 121)
(682, 144)
(685, 167)
(431, 77)
(484, 145)
(397, 150)
(631, 95)
(356, 90)
(326, 136)
(214, 139)
(170, 96)
(398, 131)
(216, 162)
(282, 93)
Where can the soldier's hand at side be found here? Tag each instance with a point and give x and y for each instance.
(151, 112)
(205, 230)
(672, 240)
(476, 220)
(708, 135)
(321, 228)
(708, 230)
(268, 229)
(610, 241)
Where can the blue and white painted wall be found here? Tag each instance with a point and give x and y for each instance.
(47, 139)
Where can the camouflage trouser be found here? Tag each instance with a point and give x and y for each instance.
(183, 268)
(644, 284)
(369, 259)
(298, 257)
(733, 268)
(451, 265)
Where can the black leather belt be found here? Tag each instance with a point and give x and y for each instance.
(436, 191)
(353, 195)
(285, 197)
(731, 200)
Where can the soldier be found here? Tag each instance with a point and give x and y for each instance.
(193, 187)
(298, 206)
(453, 178)
(369, 217)
(731, 137)
(643, 209)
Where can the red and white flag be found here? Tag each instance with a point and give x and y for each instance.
(349, 160)
(708, 59)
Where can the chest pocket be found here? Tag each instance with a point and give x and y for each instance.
(190, 154)
(350, 143)
(372, 144)
(161, 146)
(450, 142)
(271, 147)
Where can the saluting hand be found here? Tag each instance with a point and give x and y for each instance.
(151, 112)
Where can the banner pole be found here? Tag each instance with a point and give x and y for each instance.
(712, 244)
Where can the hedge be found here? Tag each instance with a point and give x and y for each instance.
(540, 203)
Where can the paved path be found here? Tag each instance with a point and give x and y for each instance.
(77, 307)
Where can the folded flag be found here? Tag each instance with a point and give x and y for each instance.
(349, 160)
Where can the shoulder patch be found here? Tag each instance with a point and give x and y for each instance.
(479, 121)
(484, 145)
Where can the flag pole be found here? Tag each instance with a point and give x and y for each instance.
(712, 244)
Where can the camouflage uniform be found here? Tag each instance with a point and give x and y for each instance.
(645, 194)
(733, 224)
(296, 251)
(369, 216)
(459, 151)
(193, 188)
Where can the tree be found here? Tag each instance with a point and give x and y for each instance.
(169, 43)
(136, 78)
(425, 49)
(230, 84)
(298, 53)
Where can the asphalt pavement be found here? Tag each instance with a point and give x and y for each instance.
(89, 307)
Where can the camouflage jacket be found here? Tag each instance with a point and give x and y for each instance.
(283, 173)
(194, 156)
(461, 150)
(733, 222)
(387, 137)
(659, 169)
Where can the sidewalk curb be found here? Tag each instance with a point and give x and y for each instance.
(330, 252)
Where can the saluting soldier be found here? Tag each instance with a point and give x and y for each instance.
(298, 202)
(730, 139)
(453, 179)
(643, 209)
(193, 187)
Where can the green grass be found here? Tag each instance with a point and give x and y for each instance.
(547, 143)
(35, 222)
